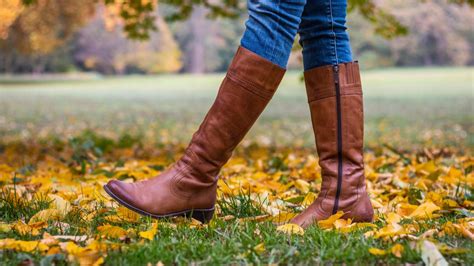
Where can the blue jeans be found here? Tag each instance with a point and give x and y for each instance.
(273, 24)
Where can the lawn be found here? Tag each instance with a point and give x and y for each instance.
(61, 140)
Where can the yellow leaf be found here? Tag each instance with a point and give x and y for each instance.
(346, 226)
(464, 231)
(393, 218)
(427, 168)
(60, 204)
(424, 211)
(290, 229)
(283, 217)
(20, 245)
(377, 252)
(405, 209)
(4, 228)
(111, 231)
(46, 215)
(308, 199)
(150, 234)
(85, 256)
(450, 203)
(98, 262)
(127, 214)
(302, 185)
(260, 248)
(390, 230)
(329, 222)
(342, 223)
(397, 250)
(71, 248)
(24, 229)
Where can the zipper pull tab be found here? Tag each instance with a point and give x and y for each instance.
(336, 73)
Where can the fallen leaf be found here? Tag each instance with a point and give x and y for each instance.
(111, 231)
(397, 250)
(260, 248)
(431, 255)
(424, 211)
(290, 229)
(302, 185)
(149, 234)
(377, 252)
(21, 245)
(329, 222)
(46, 215)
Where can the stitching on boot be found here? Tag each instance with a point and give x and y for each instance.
(249, 86)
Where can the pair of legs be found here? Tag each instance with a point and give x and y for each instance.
(273, 24)
(335, 98)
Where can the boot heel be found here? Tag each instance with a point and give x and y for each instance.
(203, 216)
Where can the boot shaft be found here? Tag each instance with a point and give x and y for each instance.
(336, 105)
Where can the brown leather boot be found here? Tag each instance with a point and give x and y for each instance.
(335, 100)
(188, 188)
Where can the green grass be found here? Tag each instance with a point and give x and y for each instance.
(418, 106)
(234, 242)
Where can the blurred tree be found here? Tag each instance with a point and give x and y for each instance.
(30, 40)
(439, 35)
(207, 45)
(138, 15)
(101, 46)
(41, 28)
(9, 11)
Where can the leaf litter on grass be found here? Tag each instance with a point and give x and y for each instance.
(59, 207)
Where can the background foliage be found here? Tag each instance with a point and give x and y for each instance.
(192, 36)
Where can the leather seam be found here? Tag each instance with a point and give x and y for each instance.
(250, 87)
(342, 95)
(176, 180)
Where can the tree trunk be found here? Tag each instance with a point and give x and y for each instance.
(197, 43)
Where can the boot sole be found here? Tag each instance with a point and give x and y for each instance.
(202, 215)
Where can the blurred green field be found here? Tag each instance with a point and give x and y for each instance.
(409, 107)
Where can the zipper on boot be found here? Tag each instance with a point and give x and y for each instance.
(339, 138)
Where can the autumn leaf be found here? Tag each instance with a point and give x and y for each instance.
(308, 199)
(393, 218)
(149, 234)
(302, 185)
(397, 250)
(377, 252)
(283, 217)
(60, 204)
(290, 229)
(431, 255)
(84, 255)
(46, 215)
(390, 230)
(424, 211)
(23, 246)
(5, 228)
(25, 229)
(329, 222)
(260, 248)
(111, 231)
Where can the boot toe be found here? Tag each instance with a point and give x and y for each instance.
(120, 189)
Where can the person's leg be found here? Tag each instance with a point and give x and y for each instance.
(334, 93)
(323, 34)
(272, 27)
(189, 186)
